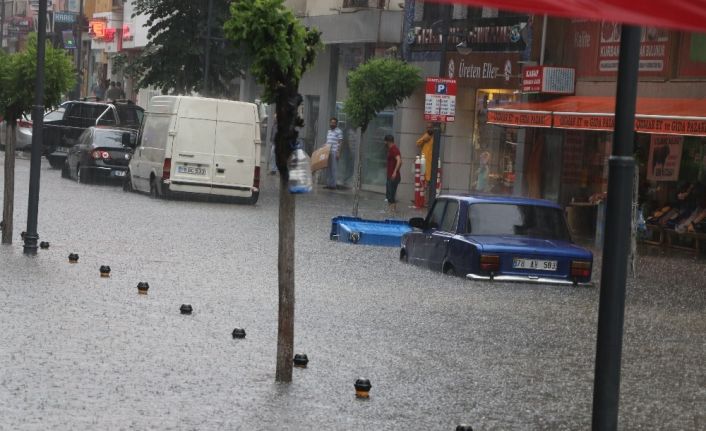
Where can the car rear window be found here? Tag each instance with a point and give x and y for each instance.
(108, 138)
(517, 220)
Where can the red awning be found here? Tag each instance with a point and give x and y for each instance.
(677, 14)
(659, 116)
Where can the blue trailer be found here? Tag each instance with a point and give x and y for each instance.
(356, 230)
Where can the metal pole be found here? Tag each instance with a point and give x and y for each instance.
(2, 23)
(79, 48)
(209, 23)
(544, 40)
(30, 245)
(436, 148)
(611, 307)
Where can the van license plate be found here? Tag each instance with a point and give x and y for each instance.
(118, 173)
(536, 264)
(191, 170)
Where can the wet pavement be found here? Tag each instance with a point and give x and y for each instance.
(81, 352)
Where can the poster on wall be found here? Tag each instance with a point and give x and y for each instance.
(665, 158)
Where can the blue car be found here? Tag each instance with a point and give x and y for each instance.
(497, 238)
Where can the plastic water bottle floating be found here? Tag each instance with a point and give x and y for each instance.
(299, 172)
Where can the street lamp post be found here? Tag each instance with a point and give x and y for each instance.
(30, 242)
(79, 50)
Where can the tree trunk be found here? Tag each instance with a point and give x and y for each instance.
(358, 173)
(9, 195)
(285, 267)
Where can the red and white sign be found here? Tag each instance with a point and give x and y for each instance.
(440, 101)
(665, 158)
(551, 80)
(96, 28)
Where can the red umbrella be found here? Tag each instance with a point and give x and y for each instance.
(677, 14)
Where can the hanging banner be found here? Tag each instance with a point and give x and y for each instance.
(665, 158)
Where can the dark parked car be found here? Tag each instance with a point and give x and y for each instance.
(101, 152)
(497, 238)
(61, 134)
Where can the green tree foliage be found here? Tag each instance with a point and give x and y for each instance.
(378, 84)
(279, 49)
(174, 57)
(21, 74)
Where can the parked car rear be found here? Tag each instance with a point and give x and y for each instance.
(101, 153)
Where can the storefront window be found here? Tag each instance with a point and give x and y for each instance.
(494, 147)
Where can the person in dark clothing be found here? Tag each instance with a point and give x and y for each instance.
(394, 162)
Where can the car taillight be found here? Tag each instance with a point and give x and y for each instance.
(256, 179)
(580, 268)
(489, 262)
(99, 154)
(167, 169)
(25, 124)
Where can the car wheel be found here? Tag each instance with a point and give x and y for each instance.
(82, 176)
(56, 162)
(127, 184)
(66, 170)
(403, 257)
(450, 271)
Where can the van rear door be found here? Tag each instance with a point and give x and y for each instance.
(234, 152)
(192, 149)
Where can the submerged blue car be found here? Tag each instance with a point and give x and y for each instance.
(497, 238)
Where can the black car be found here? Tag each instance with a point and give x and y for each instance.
(101, 152)
(61, 133)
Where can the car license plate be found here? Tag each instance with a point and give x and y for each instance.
(535, 264)
(191, 170)
(119, 173)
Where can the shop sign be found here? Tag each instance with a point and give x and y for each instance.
(440, 100)
(127, 34)
(479, 70)
(551, 80)
(584, 121)
(519, 118)
(595, 49)
(19, 26)
(665, 158)
(507, 34)
(64, 17)
(74, 6)
(96, 28)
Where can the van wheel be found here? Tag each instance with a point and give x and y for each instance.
(65, 171)
(154, 191)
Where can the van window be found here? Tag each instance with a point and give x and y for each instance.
(154, 132)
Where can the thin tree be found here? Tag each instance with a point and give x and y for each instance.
(17, 77)
(280, 50)
(375, 85)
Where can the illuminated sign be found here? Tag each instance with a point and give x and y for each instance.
(96, 28)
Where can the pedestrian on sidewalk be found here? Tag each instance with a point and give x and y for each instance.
(394, 162)
(334, 138)
(425, 143)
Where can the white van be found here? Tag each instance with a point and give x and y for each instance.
(198, 145)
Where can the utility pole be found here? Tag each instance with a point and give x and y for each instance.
(436, 149)
(209, 24)
(30, 245)
(2, 23)
(79, 48)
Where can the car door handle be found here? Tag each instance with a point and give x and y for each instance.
(446, 241)
(240, 160)
(186, 155)
(220, 171)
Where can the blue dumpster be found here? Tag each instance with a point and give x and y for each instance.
(356, 230)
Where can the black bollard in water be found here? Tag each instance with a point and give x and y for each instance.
(73, 258)
(362, 388)
(143, 287)
(186, 309)
(44, 245)
(464, 427)
(105, 271)
(300, 360)
(238, 333)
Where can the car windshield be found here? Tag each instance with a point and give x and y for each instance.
(55, 115)
(130, 115)
(517, 220)
(108, 138)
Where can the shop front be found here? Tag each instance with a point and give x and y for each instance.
(670, 146)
